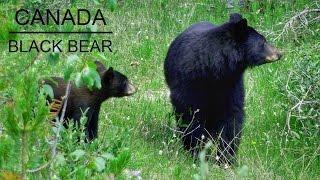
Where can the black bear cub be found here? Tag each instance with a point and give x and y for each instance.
(114, 84)
(204, 70)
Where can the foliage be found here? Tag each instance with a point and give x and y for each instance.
(25, 115)
(302, 92)
(78, 159)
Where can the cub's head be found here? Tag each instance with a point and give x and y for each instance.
(114, 83)
(257, 50)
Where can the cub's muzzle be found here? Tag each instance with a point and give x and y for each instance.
(130, 89)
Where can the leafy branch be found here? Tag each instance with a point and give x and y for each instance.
(57, 133)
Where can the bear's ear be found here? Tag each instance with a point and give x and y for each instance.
(108, 75)
(110, 69)
(238, 27)
(241, 25)
(235, 17)
(100, 67)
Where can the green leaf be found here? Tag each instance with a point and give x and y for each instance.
(94, 74)
(97, 79)
(91, 77)
(100, 164)
(72, 59)
(10, 122)
(102, 56)
(78, 80)
(91, 65)
(47, 90)
(67, 73)
(53, 58)
(87, 77)
(108, 156)
(77, 154)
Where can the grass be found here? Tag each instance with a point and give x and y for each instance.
(143, 123)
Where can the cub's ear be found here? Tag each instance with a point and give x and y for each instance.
(110, 69)
(100, 66)
(235, 17)
(108, 75)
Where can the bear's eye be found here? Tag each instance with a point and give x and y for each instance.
(124, 84)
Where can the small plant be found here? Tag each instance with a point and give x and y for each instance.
(26, 116)
(86, 159)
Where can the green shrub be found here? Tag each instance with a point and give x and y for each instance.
(302, 92)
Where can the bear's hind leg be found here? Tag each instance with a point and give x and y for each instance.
(192, 137)
(191, 129)
(229, 140)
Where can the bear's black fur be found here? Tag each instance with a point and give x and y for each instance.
(204, 71)
(114, 84)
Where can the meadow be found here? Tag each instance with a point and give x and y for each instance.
(137, 137)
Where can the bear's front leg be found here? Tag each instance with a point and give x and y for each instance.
(92, 124)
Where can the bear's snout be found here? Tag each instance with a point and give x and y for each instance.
(130, 89)
(273, 54)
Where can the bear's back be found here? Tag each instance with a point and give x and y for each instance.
(193, 32)
(189, 44)
(200, 27)
(58, 85)
(79, 96)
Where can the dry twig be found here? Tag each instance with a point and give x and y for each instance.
(57, 135)
(303, 19)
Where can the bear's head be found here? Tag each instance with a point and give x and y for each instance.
(114, 83)
(256, 50)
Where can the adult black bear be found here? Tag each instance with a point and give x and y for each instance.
(114, 84)
(204, 71)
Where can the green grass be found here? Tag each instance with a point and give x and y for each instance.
(143, 123)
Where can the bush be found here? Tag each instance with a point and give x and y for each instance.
(302, 92)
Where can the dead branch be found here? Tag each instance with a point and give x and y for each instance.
(298, 105)
(303, 19)
(57, 135)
